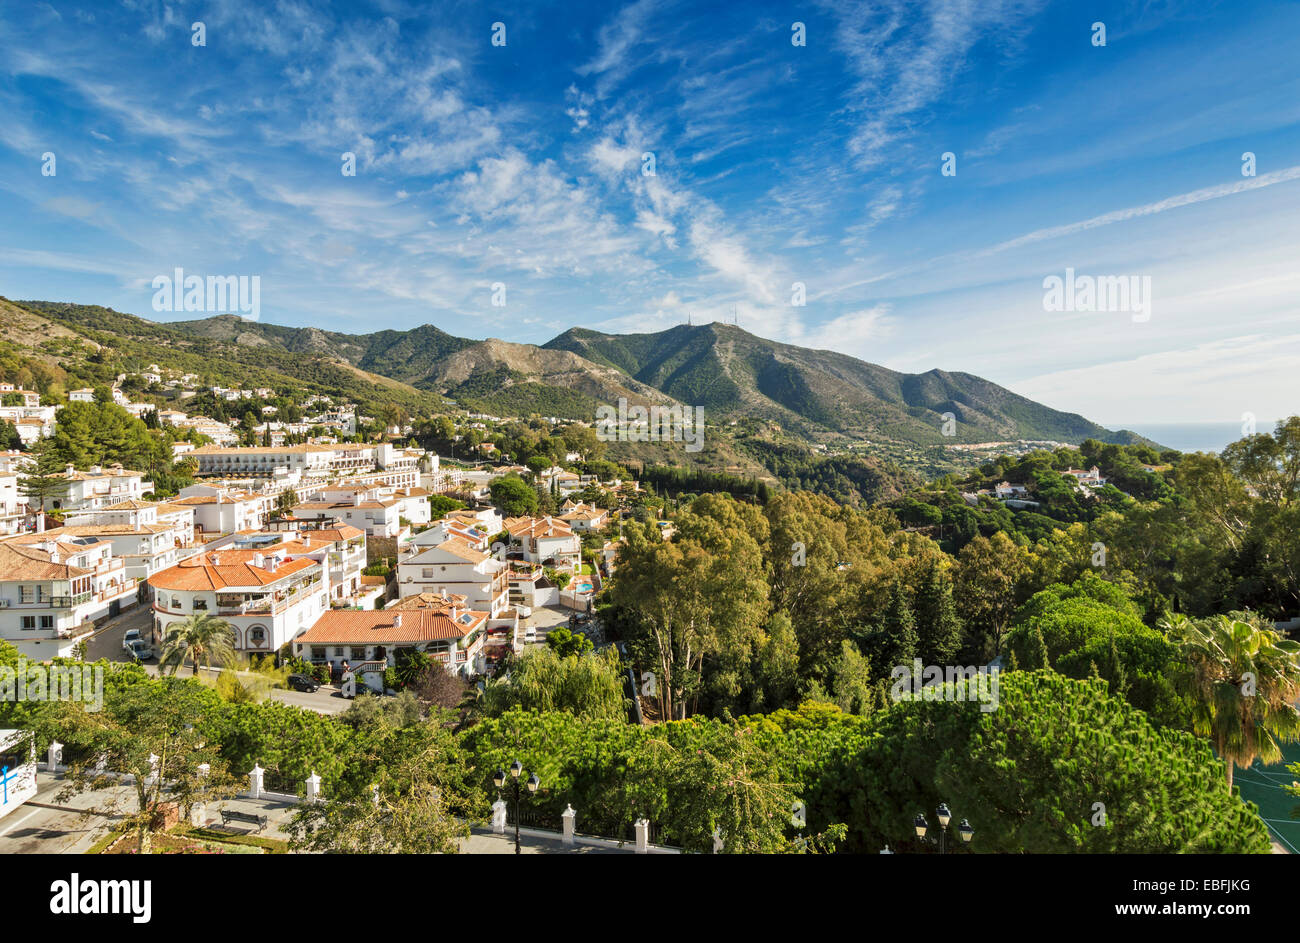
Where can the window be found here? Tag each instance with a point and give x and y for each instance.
(200, 605)
(28, 593)
(47, 622)
(317, 653)
(257, 636)
(29, 623)
(358, 654)
(426, 573)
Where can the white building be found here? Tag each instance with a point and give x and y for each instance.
(454, 566)
(341, 549)
(147, 537)
(268, 599)
(218, 510)
(52, 591)
(447, 632)
(546, 540)
(99, 487)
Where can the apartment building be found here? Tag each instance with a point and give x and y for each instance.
(267, 598)
(146, 536)
(217, 510)
(362, 507)
(53, 590)
(455, 566)
(341, 549)
(99, 487)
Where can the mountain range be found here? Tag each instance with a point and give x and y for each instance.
(735, 376)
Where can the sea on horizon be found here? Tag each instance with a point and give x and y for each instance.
(1196, 436)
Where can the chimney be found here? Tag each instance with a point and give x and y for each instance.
(397, 620)
(272, 562)
(257, 560)
(69, 469)
(216, 560)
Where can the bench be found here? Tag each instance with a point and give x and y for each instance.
(229, 815)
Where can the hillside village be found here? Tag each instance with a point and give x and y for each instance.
(300, 547)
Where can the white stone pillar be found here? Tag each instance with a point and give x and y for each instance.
(313, 787)
(567, 819)
(642, 836)
(199, 811)
(153, 769)
(255, 781)
(55, 756)
(717, 840)
(499, 816)
(374, 795)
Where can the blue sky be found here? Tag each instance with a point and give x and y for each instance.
(774, 164)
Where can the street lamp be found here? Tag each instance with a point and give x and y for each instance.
(944, 815)
(499, 780)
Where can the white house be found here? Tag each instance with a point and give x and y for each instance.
(267, 598)
(447, 631)
(98, 487)
(454, 566)
(52, 591)
(546, 540)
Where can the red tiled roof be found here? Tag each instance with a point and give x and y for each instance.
(360, 626)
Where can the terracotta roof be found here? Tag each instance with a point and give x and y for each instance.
(459, 547)
(18, 562)
(337, 505)
(109, 530)
(353, 627)
(430, 601)
(342, 532)
(103, 473)
(538, 527)
(233, 568)
(131, 504)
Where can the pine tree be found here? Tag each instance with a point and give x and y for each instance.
(1038, 657)
(899, 628)
(43, 479)
(938, 628)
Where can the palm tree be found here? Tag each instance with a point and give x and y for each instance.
(201, 637)
(1244, 682)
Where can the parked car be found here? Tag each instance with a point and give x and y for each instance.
(138, 650)
(132, 635)
(303, 683)
(359, 688)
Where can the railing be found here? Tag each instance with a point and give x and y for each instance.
(68, 602)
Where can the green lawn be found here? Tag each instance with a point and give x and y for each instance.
(1262, 785)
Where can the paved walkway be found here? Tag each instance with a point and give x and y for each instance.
(47, 824)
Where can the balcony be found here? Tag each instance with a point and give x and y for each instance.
(68, 602)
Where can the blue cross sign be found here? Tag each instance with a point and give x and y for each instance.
(6, 777)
